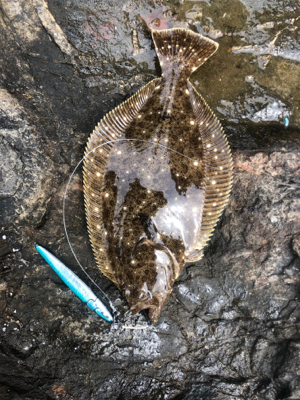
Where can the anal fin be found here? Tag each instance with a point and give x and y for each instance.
(217, 168)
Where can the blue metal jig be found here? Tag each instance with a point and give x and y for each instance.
(75, 284)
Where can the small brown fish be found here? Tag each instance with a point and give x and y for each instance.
(155, 192)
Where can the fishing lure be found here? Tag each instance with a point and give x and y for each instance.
(76, 284)
(150, 209)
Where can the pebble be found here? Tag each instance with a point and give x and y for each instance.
(274, 219)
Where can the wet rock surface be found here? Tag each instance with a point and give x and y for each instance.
(230, 329)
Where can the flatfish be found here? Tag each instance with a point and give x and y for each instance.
(157, 176)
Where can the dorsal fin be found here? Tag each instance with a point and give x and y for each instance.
(182, 47)
(110, 128)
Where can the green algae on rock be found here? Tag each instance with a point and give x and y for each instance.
(157, 176)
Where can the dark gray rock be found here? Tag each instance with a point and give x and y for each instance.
(230, 329)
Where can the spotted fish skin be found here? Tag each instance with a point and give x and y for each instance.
(153, 198)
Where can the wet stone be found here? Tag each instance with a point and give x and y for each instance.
(230, 328)
(12, 170)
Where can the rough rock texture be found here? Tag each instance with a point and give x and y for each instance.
(230, 329)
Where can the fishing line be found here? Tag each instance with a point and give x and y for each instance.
(64, 208)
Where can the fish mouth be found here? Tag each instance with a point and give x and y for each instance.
(145, 313)
(154, 307)
(144, 305)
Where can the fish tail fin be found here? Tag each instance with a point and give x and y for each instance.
(177, 47)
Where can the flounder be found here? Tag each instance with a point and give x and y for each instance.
(157, 176)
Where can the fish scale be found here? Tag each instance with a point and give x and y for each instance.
(157, 176)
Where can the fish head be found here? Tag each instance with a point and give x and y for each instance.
(151, 273)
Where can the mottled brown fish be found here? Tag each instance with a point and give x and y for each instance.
(153, 198)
